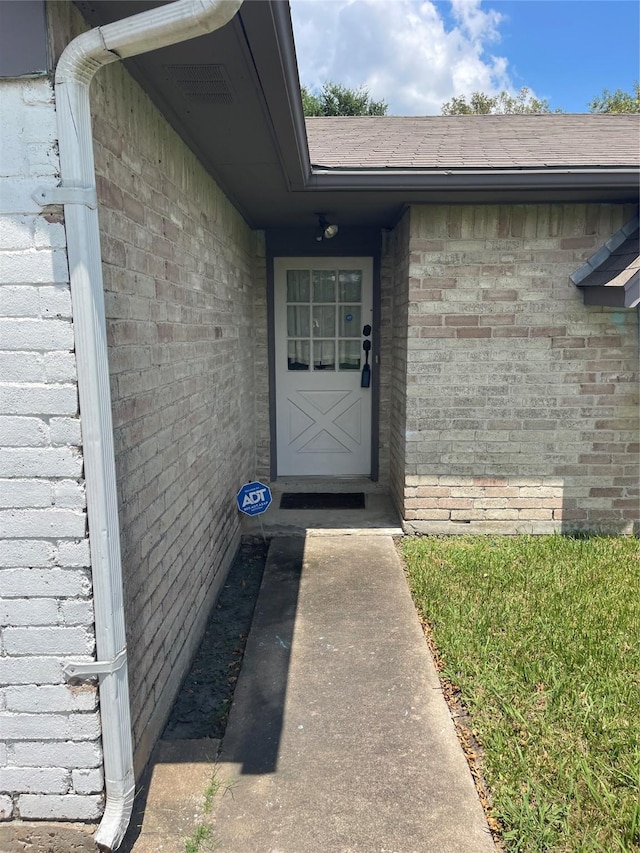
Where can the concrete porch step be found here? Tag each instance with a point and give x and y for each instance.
(379, 517)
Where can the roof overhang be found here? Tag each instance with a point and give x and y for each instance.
(255, 144)
(469, 182)
(612, 275)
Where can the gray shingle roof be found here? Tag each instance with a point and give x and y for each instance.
(475, 142)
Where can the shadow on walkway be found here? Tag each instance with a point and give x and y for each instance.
(262, 687)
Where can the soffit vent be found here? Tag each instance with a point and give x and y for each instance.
(202, 84)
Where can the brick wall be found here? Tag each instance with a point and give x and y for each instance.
(396, 307)
(185, 298)
(522, 407)
(50, 755)
(184, 282)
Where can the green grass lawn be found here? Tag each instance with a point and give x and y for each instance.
(542, 637)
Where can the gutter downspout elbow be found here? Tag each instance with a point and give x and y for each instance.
(82, 58)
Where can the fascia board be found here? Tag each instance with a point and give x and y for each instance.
(525, 179)
(269, 37)
(289, 61)
(614, 297)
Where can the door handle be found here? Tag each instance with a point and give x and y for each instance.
(365, 379)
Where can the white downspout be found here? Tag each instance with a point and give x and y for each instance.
(81, 59)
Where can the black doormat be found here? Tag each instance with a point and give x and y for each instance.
(322, 500)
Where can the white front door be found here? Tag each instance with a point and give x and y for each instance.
(323, 310)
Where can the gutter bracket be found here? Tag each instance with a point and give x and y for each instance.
(66, 195)
(80, 669)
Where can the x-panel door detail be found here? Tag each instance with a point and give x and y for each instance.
(323, 316)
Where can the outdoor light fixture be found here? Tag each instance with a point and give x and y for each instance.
(326, 230)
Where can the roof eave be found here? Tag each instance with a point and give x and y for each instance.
(475, 179)
(612, 294)
(278, 74)
(614, 297)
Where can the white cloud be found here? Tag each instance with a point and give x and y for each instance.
(402, 51)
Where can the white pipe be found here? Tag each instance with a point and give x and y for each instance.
(78, 64)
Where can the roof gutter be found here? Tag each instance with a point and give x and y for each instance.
(82, 58)
(473, 179)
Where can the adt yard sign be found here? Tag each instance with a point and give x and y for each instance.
(254, 498)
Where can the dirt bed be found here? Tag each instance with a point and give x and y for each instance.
(202, 705)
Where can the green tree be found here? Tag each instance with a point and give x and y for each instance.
(334, 99)
(480, 103)
(617, 102)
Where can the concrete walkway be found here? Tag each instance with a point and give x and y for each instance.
(339, 739)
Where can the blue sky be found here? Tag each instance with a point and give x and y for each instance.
(416, 54)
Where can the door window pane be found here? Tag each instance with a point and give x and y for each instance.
(349, 355)
(298, 321)
(298, 285)
(324, 321)
(350, 285)
(324, 286)
(324, 355)
(349, 321)
(298, 355)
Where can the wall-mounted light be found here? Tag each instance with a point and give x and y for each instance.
(326, 230)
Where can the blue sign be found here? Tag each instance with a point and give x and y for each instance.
(254, 498)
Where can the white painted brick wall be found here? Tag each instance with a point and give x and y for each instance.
(38, 335)
(65, 432)
(34, 780)
(22, 553)
(49, 729)
(50, 698)
(29, 611)
(44, 670)
(66, 754)
(87, 781)
(57, 727)
(22, 493)
(50, 462)
(34, 399)
(34, 641)
(66, 807)
(20, 432)
(41, 523)
(61, 582)
(6, 807)
(28, 155)
(76, 612)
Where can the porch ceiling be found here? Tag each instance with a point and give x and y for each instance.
(233, 96)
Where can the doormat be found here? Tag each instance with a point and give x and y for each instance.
(322, 500)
